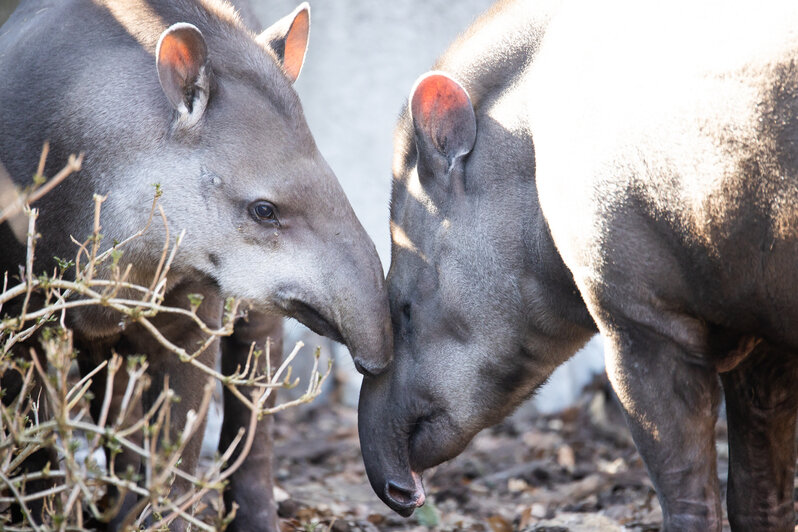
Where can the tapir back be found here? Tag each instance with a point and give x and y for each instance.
(61, 80)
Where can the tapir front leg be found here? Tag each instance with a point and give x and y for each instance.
(761, 402)
(671, 404)
(187, 382)
(252, 485)
(11, 384)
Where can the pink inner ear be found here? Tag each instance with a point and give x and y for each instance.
(176, 54)
(182, 54)
(435, 97)
(296, 43)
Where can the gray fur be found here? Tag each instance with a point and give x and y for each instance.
(658, 203)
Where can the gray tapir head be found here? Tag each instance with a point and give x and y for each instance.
(279, 229)
(215, 121)
(473, 332)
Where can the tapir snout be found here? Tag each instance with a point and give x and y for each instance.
(348, 303)
(388, 461)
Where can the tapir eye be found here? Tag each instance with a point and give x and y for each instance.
(263, 211)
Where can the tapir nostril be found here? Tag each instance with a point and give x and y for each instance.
(401, 497)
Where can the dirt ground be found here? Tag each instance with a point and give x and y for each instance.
(574, 471)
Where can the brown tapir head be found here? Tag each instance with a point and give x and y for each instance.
(183, 95)
(473, 333)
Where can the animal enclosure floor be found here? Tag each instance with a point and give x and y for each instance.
(574, 471)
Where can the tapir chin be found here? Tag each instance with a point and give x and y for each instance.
(182, 94)
(628, 168)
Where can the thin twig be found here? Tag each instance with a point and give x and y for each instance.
(78, 485)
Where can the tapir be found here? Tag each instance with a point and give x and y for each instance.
(623, 167)
(181, 94)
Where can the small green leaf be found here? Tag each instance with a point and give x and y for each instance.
(116, 254)
(195, 300)
(427, 515)
(63, 264)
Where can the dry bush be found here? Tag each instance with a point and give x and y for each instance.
(52, 410)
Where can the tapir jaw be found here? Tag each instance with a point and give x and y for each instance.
(361, 321)
(313, 320)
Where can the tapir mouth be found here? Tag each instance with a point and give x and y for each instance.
(314, 320)
(433, 439)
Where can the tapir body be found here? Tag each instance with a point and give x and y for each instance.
(181, 94)
(622, 167)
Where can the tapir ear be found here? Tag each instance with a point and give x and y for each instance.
(443, 119)
(183, 70)
(288, 38)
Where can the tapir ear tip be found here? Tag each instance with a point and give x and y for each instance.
(302, 13)
(182, 25)
(434, 74)
(434, 85)
(178, 27)
(288, 40)
(181, 31)
(438, 77)
(302, 19)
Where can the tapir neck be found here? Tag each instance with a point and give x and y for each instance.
(497, 81)
(563, 309)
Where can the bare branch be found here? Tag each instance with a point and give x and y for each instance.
(76, 483)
